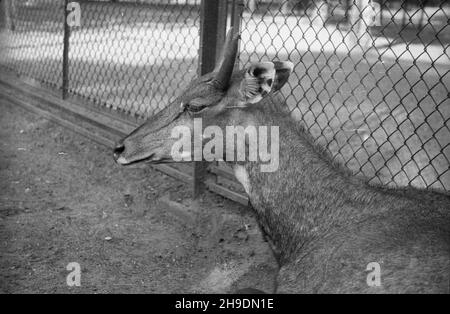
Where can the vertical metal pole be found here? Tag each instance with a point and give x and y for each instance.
(236, 21)
(212, 35)
(222, 20)
(65, 65)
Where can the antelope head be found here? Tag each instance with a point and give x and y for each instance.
(223, 97)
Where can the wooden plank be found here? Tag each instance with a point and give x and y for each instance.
(212, 30)
(234, 196)
(92, 132)
(77, 120)
(233, 185)
(52, 117)
(174, 173)
(100, 117)
(31, 85)
(55, 111)
(220, 171)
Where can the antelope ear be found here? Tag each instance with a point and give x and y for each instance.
(258, 81)
(264, 77)
(283, 70)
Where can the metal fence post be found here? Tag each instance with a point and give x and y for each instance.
(213, 18)
(65, 61)
(236, 22)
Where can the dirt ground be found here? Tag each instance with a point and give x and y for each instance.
(63, 200)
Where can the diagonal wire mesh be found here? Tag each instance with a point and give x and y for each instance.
(127, 55)
(134, 56)
(371, 80)
(31, 39)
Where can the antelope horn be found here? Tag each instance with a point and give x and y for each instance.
(228, 59)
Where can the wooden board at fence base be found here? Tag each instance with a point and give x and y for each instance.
(103, 126)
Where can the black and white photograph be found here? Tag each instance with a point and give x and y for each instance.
(223, 152)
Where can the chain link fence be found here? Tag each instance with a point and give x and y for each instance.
(371, 78)
(134, 56)
(31, 39)
(131, 56)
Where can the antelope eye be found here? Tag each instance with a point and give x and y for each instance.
(196, 108)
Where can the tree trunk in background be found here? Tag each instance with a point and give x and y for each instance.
(8, 9)
(361, 18)
(404, 6)
(285, 7)
(251, 5)
(320, 12)
(348, 6)
(422, 21)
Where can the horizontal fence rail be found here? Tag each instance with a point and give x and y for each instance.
(371, 78)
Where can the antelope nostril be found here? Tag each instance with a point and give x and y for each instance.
(119, 149)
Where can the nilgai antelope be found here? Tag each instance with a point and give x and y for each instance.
(332, 232)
